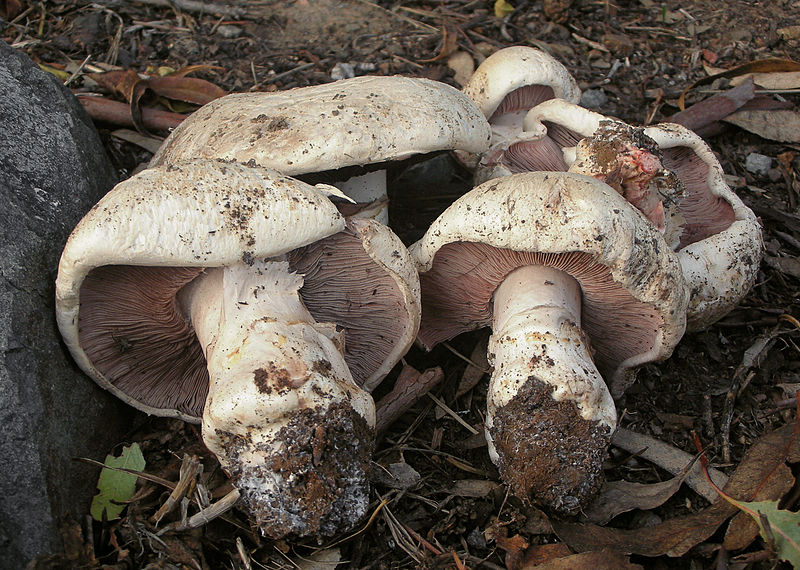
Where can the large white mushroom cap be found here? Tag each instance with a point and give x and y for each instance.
(200, 214)
(513, 68)
(578, 288)
(557, 215)
(352, 122)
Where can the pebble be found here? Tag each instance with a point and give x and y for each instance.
(593, 98)
(757, 163)
(229, 32)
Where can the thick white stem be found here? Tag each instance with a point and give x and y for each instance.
(369, 188)
(268, 362)
(537, 331)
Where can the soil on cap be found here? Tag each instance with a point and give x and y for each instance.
(548, 453)
(314, 478)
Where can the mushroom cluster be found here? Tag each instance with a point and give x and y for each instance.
(216, 288)
(492, 259)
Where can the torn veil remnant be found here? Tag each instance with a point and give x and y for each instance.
(578, 288)
(241, 298)
(342, 133)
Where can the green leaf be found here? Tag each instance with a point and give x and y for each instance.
(115, 485)
(502, 8)
(779, 528)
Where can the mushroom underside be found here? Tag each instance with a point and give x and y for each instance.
(457, 293)
(132, 329)
(522, 98)
(705, 214)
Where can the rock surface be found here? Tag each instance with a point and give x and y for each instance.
(52, 170)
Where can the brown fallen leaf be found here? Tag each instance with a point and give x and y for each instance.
(779, 80)
(778, 125)
(714, 108)
(761, 468)
(617, 497)
(770, 65)
(743, 529)
(472, 488)
(410, 386)
(670, 459)
(602, 560)
(186, 89)
(538, 554)
(786, 265)
(119, 113)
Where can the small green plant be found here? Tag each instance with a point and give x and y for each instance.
(116, 483)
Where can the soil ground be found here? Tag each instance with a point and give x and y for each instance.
(635, 57)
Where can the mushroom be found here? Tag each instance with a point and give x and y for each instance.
(578, 287)
(721, 243)
(505, 87)
(717, 237)
(242, 299)
(342, 133)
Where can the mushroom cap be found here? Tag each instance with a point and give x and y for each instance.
(358, 121)
(164, 225)
(515, 67)
(565, 114)
(571, 222)
(721, 246)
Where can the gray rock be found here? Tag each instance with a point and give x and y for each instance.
(593, 98)
(757, 163)
(52, 170)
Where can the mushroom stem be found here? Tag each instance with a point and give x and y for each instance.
(550, 415)
(283, 414)
(369, 188)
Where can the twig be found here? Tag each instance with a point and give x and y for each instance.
(454, 415)
(185, 5)
(741, 378)
(283, 74)
(205, 516)
(78, 71)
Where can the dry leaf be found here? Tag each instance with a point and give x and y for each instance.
(150, 144)
(743, 529)
(321, 560)
(602, 560)
(786, 265)
(539, 554)
(759, 469)
(462, 65)
(714, 108)
(186, 89)
(778, 80)
(778, 125)
(758, 66)
(617, 497)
